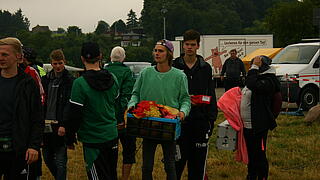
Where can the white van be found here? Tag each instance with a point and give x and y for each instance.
(48, 68)
(135, 67)
(297, 68)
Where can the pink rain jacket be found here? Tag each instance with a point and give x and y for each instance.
(229, 103)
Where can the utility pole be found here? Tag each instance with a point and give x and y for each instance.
(164, 11)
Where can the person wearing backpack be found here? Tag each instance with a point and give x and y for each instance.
(259, 108)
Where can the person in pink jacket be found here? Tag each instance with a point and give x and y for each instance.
(229, 103)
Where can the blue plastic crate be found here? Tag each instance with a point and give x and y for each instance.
(154, 128)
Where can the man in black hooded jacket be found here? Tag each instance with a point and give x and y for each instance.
(21, 127)
(57, 86)
(198, 126)
(92, 115)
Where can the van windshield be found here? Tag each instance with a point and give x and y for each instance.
(137, 68)
(296, 55)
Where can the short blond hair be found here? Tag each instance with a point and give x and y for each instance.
(57, 55)
(118, 54)
(14, 42)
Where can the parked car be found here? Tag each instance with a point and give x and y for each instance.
(135, 67)
(297, 67)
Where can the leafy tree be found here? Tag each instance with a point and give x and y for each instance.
(207, 17)
(61, 30)
(132, 20)
(102, 27)
(292, 21)
(10, 24)
(143, 54)
(75, 30)
(258, 27)
(21, 21)
(118, 26)
(289, 21)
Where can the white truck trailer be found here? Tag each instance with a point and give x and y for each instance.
(215, 48)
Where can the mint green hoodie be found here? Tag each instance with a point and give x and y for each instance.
(168, 88)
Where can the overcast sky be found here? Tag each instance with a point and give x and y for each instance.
(82, 13)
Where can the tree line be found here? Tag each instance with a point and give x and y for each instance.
(288, 20)
(70, 40)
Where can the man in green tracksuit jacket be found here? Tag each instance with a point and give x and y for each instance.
(126, 81)
(92, 115)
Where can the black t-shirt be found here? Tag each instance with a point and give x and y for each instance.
(7, 104)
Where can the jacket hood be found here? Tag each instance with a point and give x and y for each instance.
(116, 63)
(271, 70)
(99, 80)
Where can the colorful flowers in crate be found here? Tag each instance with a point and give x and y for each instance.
(151, 109)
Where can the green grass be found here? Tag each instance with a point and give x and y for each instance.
(293, 151)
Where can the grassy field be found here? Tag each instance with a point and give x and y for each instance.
(293, 151)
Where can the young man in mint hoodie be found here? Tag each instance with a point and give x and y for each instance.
(165, 85)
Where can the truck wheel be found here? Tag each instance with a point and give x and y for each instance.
(309, 98)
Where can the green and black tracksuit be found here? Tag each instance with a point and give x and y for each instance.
(126, 81)
(92, 116)
(197, 127)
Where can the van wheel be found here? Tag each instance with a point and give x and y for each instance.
(309, 98)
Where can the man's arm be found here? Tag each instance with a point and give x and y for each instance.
(124, 97)
(68, 87)
(212, 107)
(185, 102)
(36, 123)
(126, 90)
(256, 84)
(135, 98)
(73, 117)
(224, 68)
(242, 68)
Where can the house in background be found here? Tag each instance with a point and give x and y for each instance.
(39, 28)
(133, 38)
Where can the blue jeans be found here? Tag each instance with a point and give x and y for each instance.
(148, 151)
(56, 160)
